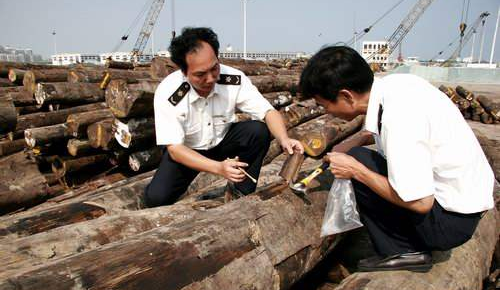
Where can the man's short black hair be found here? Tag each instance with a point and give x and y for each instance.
(189, 41)
(335, 68)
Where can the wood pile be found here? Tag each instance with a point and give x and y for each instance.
(77, 152)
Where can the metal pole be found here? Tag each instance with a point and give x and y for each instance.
(244, 29)
(494, 37)
(153, 43)
(173, 18)
(473, 44)
(482, 42)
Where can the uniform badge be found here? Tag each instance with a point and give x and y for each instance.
(179, 94)
(229, 80)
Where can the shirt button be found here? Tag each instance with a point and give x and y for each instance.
(209, 124)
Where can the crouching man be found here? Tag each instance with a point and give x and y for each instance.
(195, 119)
(429, 183)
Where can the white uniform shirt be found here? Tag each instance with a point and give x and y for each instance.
(430, 149)
(201, 123)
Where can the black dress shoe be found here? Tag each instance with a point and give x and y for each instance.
(417, 262)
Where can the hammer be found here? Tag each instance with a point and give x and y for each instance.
(301, 186)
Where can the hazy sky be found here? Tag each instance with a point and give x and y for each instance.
(273, 25)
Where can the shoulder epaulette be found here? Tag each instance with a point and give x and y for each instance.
(229, 80)
(179, 94)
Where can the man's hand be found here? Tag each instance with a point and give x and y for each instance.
(229, 169)
(291, 145)
(342, 165)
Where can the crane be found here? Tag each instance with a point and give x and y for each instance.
(472, 29)
(404, 27)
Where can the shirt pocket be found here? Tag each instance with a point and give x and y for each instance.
(221, 125)
(193, 134)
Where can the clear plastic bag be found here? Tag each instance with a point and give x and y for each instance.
(340, 214)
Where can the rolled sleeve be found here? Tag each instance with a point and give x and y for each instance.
(251, 101)
(169, 130)
(409, 157)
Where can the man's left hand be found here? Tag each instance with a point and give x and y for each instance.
(342, 165)
(291, 145)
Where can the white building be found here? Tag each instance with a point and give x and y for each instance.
(377, 51)
(262, 55)
(125, 56)
(73, 58)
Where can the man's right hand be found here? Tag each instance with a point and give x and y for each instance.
(229, 169)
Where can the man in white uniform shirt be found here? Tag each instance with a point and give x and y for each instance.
(429, 183)
(195, 119)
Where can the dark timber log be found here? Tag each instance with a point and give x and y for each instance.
(21, 97)
(491, 106)
(5, 66)
(275, 83)
(5, 90)
(8, 116)
(16, 76)
(6, 83)
(62, 166)
(77, 147)
(50, 118)
(134, 132)
(21, 182)
(273, 235)
(133, 100)
(45, 135)
(98, 75)
(35, 76)
(102, 134)
(78, 122)
(119, 64)
(279, 99)
(8, 147)
(300, 112)
(27, 110)
(162, 67)
(462, 103)
(464, 267)
(147, 159)
(68, 93)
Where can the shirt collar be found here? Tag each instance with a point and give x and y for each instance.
(376, 99)
(194, 96)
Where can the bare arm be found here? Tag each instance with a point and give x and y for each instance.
(276, 125)
(360, 138)
(192, 159)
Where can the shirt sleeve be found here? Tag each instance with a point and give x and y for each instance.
(251, 101)
(409, 158)
(169, 129)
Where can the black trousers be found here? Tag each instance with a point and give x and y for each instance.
(248, 140)
(395, 230)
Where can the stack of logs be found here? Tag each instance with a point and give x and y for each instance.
(84, 223)
(476, 108)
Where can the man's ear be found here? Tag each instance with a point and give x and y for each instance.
(347, 95)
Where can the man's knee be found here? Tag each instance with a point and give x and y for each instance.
(258, 131)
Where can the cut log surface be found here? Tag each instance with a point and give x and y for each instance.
(51, 118)
(8, 116)
(16, 76)
(129, 101)
(279, 99)
(45, 135)
(35, 76)
(77, 123)
(267, 234)
(490, 105)
(79, 147)
(68, 93)
(135, 131)
(21, 182)
(162, 67)
(101, 134)
(147, 159)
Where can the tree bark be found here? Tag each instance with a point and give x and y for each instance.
(135, 132)
(275, 83)
(45, 135)
(273, 235)
(20, 97)
(62, 166)
(279, 99)
(101, 134)
(130, 101)
(8, 147)
(34, 76)
(68, 93)
(27, 110)
(119, 64)
(6, 83)
(5, 66)
(21, 182)
(98, 75)
(8, 116)
(462, 103)
(464, 267)
(162, 67)
(490, 106)
(78, 122)
(50, 118)
(147, 159)
(5, 90)
(16, 76)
